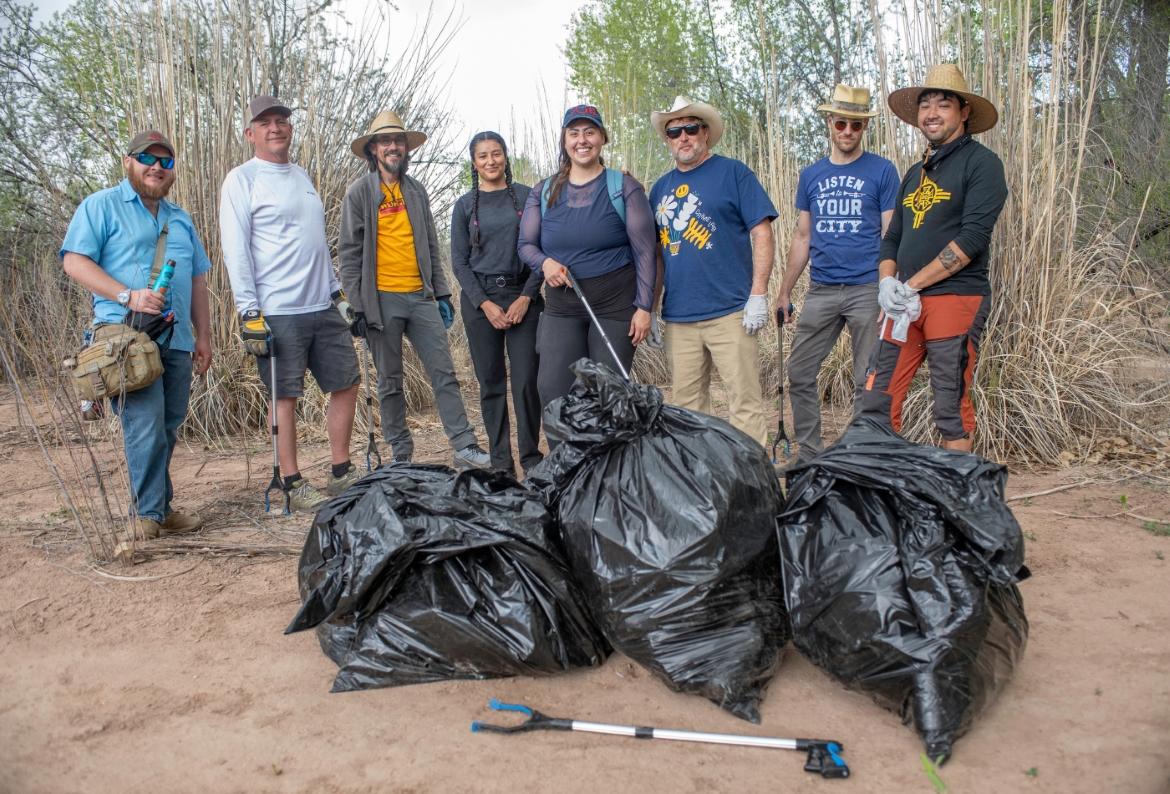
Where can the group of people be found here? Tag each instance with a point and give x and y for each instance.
(903, 264)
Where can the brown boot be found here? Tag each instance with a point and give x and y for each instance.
(141, 529)
(178, 523)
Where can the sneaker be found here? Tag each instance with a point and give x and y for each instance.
(403, 457)
(303, 497)
(472, 458)
(336, 485)
(178, 523)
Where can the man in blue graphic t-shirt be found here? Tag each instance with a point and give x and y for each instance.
(714, 225)
(845, 203)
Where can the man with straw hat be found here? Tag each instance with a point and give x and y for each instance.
(934, 287)
(715, 237)
(391, 266)
(272, 229)
(845, 202)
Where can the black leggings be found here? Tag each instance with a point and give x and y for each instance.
(562, 340)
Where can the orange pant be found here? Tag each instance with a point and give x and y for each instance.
(947, 336)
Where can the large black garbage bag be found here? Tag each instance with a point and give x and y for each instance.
(668, 517)
(900, 570)
(416, 574)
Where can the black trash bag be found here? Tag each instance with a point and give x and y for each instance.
(669, 517)
(417, 574)
(900, 570)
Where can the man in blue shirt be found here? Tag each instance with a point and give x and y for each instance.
(109, 249)
(715, 238)
(845, 203)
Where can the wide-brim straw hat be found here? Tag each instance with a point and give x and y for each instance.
(849, 102)
(386, 122)
(944, 77)
(684, 107)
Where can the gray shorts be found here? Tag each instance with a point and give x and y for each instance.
(318, 341)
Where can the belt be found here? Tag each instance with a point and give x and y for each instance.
(490, 280)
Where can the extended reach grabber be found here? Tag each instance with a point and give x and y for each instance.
(277, 484)
(781, 434)
(373, 457)
(824, 757)
(597, 324)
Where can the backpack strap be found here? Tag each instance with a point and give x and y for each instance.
(545, 191)
(613, 183)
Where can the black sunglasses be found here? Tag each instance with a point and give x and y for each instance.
(841, 124)
(689, 129)
(148, 159)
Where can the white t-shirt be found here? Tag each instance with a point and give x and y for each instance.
(272, 229)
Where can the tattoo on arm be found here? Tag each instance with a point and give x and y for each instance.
(949, 260)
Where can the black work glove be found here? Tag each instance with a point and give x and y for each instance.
(358, 327)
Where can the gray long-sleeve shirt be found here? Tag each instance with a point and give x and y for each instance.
(496, 255)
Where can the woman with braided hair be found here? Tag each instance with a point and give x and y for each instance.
(500, 304)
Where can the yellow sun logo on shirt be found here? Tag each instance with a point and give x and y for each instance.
(926, 196)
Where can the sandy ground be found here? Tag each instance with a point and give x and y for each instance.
(182, 679)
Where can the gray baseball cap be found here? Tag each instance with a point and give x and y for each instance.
(147, 138)
(262, 104)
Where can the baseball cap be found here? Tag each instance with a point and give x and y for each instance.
(262, 104)
(147, 138)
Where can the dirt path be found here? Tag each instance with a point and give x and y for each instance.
(186, 683)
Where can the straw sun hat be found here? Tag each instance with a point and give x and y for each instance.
(944, 77)
(386, 122)
(848, 103)
(684, 107)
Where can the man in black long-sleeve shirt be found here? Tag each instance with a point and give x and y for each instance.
(933, 286)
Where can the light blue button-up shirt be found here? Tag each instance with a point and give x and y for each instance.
(115, 229)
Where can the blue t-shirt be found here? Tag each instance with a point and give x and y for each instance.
(845, 204)
(115, 229)
(704, 217)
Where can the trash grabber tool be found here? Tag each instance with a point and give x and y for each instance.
(781, 434)
(824, 757)
(373, 457)
(277, 483)
(597, 324)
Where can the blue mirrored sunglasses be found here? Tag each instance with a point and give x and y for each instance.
(148, 159)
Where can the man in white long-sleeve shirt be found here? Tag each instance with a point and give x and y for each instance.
(272, 228)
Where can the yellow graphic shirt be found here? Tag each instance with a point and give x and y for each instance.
(397, 263)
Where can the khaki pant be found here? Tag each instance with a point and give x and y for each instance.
(693, 347)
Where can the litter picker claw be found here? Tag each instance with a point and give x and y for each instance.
(373, 457)
(277, 484)
(824, 757)
(781, 434)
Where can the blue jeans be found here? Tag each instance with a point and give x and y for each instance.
(150, 425)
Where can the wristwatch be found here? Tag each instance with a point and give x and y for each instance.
(124, 297)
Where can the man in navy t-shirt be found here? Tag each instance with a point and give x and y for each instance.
(714, 225)
(845, 203)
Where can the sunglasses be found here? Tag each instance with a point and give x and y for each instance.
(689, 129)
(840, 124)
(148, 159)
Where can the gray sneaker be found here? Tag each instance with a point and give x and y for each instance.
(303, 497)
(472, 458)
(336, 485)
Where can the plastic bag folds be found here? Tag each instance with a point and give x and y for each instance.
(417, 574)
(900, 565)
(668, 518)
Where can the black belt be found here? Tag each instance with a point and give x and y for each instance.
(500, 280)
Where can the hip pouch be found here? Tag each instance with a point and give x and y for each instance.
(119, 360)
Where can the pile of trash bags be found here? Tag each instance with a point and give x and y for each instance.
(900, 570)
(417, 574)
(668, 517)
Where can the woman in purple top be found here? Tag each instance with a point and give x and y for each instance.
(573, 223)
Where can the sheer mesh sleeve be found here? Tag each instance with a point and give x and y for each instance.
(528, 236)
(640, 230)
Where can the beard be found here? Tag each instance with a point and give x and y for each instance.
(151, 191)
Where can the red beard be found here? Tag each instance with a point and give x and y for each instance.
(154, 191)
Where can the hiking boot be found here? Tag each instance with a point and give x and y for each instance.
(336, 485)
(303, 497)
(177, 523)
(146, 528)
(472, 458)
(403, 457)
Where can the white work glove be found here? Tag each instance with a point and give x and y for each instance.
(893, 295)
(755, 313)
(903, 319)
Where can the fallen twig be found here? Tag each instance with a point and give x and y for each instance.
(154, 578)
(1057, 489)
(31, 601)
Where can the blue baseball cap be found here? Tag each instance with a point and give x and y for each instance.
(586, 112)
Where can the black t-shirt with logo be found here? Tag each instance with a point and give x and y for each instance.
(959, 197)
